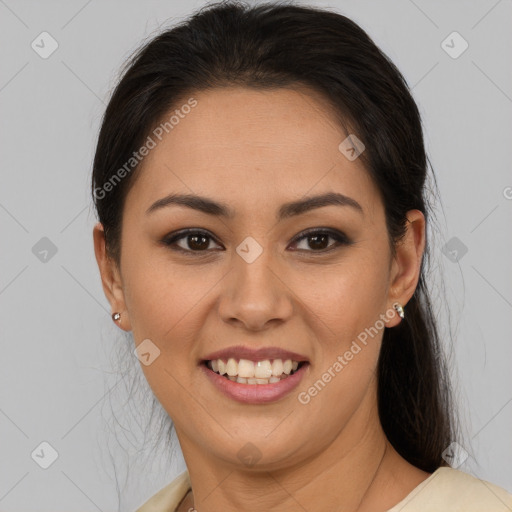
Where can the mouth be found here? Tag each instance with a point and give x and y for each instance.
(245, 371)
(254, 382)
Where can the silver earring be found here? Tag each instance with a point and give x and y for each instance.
(116, 316)
(399, 310)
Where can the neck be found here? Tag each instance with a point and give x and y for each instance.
(358, 471)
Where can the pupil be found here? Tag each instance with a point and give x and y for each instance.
(318, 241)
(193, 242)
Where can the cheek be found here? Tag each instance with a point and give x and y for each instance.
(346, 297)
(159, 294)
(346, 304)
(168, 304)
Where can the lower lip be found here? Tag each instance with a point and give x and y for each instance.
(255, 393)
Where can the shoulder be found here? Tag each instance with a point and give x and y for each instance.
(452, 490)
(168, 498)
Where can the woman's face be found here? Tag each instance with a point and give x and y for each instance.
(247, 280)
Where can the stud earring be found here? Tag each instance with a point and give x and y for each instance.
(116, 316)
(399, 310)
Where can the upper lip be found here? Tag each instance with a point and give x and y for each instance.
(254, 354)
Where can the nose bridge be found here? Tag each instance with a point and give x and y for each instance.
(255, 293)
(256, 274)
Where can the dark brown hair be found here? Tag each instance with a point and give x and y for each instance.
(275, 45)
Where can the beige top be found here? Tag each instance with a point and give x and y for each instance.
(445, 490)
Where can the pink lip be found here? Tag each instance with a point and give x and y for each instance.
(255, 393)
(254, 354)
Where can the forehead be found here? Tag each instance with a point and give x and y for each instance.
(252, 146)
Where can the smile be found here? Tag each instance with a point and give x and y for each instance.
(245, 371)
(255, 382)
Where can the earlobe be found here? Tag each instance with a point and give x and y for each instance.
(110, 277)
(407, 262)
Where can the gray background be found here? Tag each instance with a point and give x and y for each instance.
(58, 379)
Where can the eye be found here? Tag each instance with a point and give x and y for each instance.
(314, 240)
(317, 239)
(193, 240)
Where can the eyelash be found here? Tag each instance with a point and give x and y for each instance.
(338, 236)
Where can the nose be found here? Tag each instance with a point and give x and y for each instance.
(255, 295)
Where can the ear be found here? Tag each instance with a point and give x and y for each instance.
(405, 267)
(110, 278)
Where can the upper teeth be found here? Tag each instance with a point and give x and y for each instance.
(249, 369)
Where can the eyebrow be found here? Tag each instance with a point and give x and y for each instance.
(287, 210)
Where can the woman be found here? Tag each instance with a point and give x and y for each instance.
(259, 181)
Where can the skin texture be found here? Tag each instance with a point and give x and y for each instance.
(254, 151)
